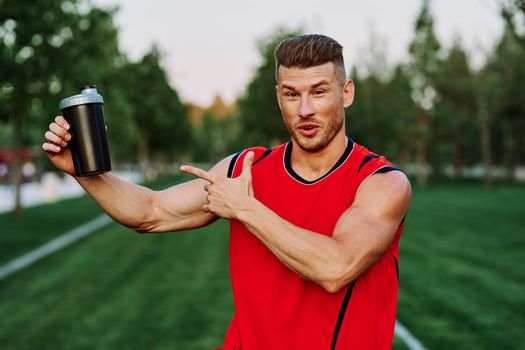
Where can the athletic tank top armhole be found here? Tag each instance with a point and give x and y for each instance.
(233, 161)
(372, 164)
(235, 167)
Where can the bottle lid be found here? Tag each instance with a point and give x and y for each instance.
(88, 94)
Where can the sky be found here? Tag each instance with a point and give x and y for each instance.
(210, 47)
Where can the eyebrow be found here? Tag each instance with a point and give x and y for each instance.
(289, 87)
(320, 83)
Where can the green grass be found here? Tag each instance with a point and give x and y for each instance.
(399, 344)
(461, 282)
(122, 290)
(462, 276)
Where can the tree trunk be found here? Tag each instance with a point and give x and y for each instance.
(486, 153)
(421, 149)
(143, 150)
(512, 153)
(484, 122)
(457, 160)
(403, 156)
(510, 175)
(17, 160)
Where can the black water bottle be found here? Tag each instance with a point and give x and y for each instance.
(89, 143)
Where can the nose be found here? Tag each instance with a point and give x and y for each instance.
(305, 108)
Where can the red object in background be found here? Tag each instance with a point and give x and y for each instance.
(7, 155)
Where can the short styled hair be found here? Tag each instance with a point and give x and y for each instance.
(310, 50)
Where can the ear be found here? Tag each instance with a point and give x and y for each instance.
(348, 93)
(278, 96)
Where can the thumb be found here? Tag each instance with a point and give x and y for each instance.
(247, 164)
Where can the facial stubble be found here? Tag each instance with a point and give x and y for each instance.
(325, 135)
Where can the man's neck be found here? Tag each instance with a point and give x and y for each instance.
(312, 165)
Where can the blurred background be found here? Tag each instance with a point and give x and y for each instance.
(439, 91)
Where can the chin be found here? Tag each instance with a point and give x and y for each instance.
(314, 144)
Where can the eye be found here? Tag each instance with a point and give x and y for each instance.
(319, 92)
(291, 94)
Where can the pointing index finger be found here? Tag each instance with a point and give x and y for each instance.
(188, 169)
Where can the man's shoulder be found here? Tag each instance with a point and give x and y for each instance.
(261, 153)
(367, 163)
(365, 158)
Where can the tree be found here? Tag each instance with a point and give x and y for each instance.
(506, 73)
(118, 109)
(157, 111)
(41, 43)
(424, 50)
(486, 94)
(215, 138)
(369, 120)
(403, 112)
(216, 131)
(455, 109)
(513, 13)
(259, 112)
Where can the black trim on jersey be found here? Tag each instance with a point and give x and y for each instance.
(265, 154)
(232, 163)
(341, 316)
(366, 160)
(386, 169)
(397, 266)
(288, 163)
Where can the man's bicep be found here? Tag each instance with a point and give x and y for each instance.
(180, 207)
(368, 227)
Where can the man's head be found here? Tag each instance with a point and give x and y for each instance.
(312, 90)
(310, 50)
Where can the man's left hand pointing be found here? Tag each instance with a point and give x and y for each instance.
(227, 198)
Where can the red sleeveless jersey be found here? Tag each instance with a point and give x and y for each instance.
(275, 308)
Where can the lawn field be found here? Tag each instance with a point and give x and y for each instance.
(461, 280)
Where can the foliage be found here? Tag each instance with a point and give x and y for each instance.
(435, 111)
(506, 66)
(216, 138)
(455, 111)
(156, 109)
(49, 48)
(259, 111)
(44, 45)
(513, 12)
(424, 50)
(49, 53)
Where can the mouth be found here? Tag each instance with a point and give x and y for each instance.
(308, 129)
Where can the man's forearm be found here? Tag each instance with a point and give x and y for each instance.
(314, 256)
(127, 203)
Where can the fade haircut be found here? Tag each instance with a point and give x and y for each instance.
(305, 51)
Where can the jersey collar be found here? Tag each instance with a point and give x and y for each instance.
(288, 164)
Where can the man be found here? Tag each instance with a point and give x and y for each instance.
(315, 223)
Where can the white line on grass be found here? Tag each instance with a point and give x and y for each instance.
(52, 246)
(411, 342)
(101, 221)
